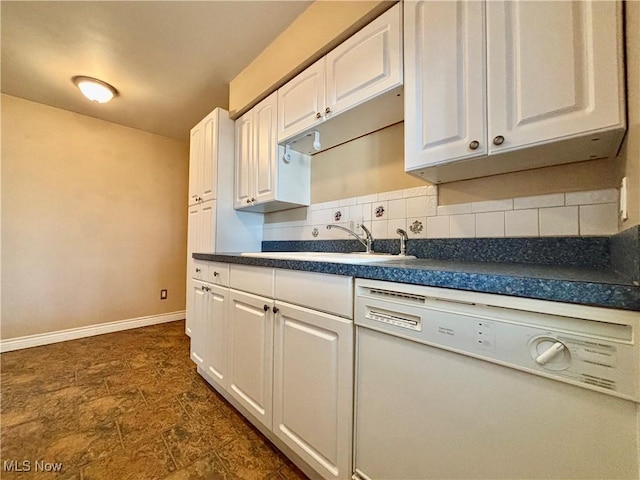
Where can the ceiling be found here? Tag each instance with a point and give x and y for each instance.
(171, 61)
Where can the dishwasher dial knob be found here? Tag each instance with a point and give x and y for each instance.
(550, 353)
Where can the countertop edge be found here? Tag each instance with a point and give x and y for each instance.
(580, 292)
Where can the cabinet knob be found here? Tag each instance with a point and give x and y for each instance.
(275, 309)
(248, 200)
(499, 140)
(327, 110)
(253, 199)
(474, 145)
(318, 115)
(265, 307)
(215, 274)
(198, 270)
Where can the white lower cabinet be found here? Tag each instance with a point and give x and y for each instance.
(312, 387)
(284, 364)
(198, 307)
(250, 354)
(207, 303)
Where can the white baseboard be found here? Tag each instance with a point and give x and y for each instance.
(88, 331)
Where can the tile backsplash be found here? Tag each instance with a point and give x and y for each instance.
(416, 210)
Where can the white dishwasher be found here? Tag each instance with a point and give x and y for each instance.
(453, 384)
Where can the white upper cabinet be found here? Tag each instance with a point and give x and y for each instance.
(265, 180)
(553, 70)
(203, 157)
(552, 73)
(301, 101)
(366, 65)
(445, 106)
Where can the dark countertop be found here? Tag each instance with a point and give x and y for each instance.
(601, 287)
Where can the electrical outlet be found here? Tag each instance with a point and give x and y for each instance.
(163, 294)
(354, 224)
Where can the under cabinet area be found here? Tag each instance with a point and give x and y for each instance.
(499, 86)
(278, 344)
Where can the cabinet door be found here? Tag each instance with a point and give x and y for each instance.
(215, 329)
(552, 70)
(243, 161)
(207, 227)
(312, 397)
(444, 82)
(250, 357)
(365, 65)
(196, 162)
(301, 102)
(196, 315)
(210, 159)
(265, 144)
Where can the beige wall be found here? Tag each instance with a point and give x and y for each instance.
(93, 220)
(321, 27)
(369, 164)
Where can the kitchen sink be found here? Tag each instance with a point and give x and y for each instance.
(355, 257)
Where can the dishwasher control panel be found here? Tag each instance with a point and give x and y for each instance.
(593, 354)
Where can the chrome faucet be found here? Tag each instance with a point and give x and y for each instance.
(368, 243)
(403, 241)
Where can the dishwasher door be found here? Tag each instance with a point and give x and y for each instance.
(427, 410)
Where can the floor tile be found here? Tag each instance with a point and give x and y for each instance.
(250, 458)
(83, 446)
(148, 460)
(110, 407)
(207, 468)
(149, 422)
(195, 438)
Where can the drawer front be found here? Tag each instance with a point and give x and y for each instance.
(218, 274)
(198, 269)
(327, 293)
(256, 280)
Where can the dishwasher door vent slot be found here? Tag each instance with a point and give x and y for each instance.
(401, 296)
(398, 319)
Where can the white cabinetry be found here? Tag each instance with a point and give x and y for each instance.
(211, 199)
(264, 180)
(203, 160)
(301, 102)
(250, 344)
(289, 357)
(552, 73)
(312, 387)
(363, 67)
(208, 304)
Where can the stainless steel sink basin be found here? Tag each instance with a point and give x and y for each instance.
(355, 257)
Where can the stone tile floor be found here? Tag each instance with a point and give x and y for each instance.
(126, 405)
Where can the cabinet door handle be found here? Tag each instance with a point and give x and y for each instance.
(198, 270)
(327, 110)
(474, 145)
(265, 307)
(499, 140)
(318, 115)
(275, 309)
(215, 274)
(248, 200)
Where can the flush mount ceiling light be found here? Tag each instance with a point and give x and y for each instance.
(94, 89)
